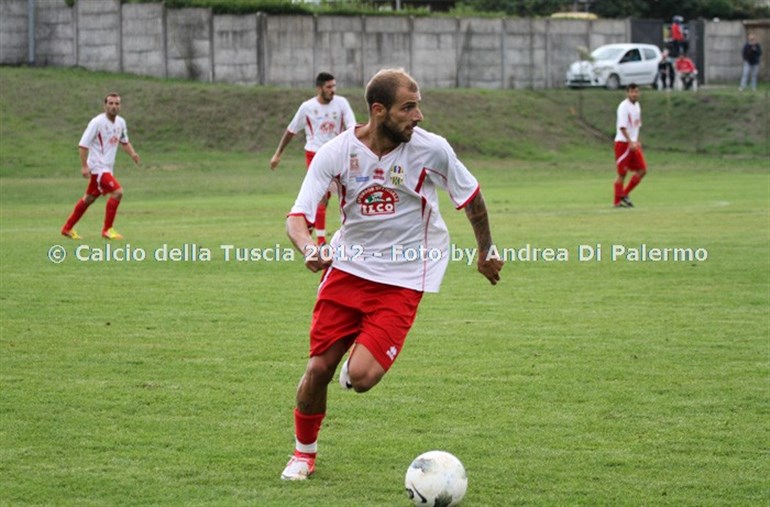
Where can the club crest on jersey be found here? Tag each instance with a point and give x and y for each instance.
(397, 175)
(379, 174)
(377, 200)
(355, 168)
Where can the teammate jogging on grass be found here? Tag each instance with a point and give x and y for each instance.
(628, 149)
(323, 117)
(390, 172)
(98, 147)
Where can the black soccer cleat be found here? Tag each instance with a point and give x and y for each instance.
(626, 202)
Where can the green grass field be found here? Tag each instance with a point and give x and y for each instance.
(161, 382)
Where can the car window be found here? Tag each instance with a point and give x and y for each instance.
(633, 55)
(649, 54)
(606, 53)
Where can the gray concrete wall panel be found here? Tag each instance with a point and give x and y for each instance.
(722, 52)
(99, 35)
(14, 37)
(340, 47)
(149, 39)
(435, 43)
(188, 44)
(480, 53)
(518, 64)
(235, 49)
(387, 43)
(55, 30)
(291, 50)
(144, 41)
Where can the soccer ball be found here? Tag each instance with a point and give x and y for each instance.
(436, 479)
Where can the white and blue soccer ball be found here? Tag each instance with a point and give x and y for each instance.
(436, 479)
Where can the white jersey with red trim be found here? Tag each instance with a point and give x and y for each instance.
(392, 231)
(322, 122)
(630, 117)
(102, 138)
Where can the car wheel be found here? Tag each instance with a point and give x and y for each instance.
(613, 82)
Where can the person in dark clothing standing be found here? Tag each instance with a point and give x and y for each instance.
(752, 52)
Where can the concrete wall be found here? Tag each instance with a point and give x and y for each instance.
(290, 59)
(14, 45)
(144, 39)
(435, 44)
(148, 39)
(235, 49)
(189, 44)
(99, 34)
(55, 29)
(386, 42)
(722, 52)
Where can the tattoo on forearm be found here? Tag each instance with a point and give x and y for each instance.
(476, 211)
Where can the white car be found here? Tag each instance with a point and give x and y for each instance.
(616, 65)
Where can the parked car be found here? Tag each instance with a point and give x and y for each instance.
(616, 65)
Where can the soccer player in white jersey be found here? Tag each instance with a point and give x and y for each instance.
(628, 149)
(98, 147)
(391, 248)
(323, 117)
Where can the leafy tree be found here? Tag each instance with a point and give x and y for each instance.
(646, 9)
(523, 8)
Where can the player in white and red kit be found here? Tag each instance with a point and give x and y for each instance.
(98, 147)
(392, 246)
(628, 149)
(323, 118)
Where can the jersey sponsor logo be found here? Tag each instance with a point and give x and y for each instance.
(397, 175)
(113, 136)
(379, 174)
(327, 127)
(377, 200)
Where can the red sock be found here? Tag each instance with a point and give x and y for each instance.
(635, 179)
(618, 192)
(80, 208)
(320, 222)
(306, 428)
(109, 212)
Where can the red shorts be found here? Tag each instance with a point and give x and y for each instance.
(309, 157)
(627, 160)
(373, 314)
(101, 184)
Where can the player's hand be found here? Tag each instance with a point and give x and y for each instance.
(315, 258)
(317, 265)
(275, 161)
(85, 171)
(135, 158)
(490, 268)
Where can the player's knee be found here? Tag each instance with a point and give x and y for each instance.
(364, 379)
(117, 195)
(319, 371)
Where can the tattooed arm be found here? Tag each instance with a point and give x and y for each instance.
(476, 211)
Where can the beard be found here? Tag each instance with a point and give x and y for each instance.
(391, 131)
